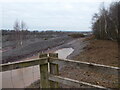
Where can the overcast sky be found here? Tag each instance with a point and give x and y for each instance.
(50, 14)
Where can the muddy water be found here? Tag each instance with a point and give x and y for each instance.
(21, 78)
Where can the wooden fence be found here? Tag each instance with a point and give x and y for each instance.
(49, 70)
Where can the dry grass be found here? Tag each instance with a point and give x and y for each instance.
(90, 76)
(89, 38)
(98, 51)
(79, 35)
(101, 52)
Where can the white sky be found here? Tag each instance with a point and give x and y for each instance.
(49, 14)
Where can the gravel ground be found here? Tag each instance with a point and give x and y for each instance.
(22, 52)
(84, 75)
(76, 44)
(100, 52)
(93, 51)
(97, 51)
(89, 76)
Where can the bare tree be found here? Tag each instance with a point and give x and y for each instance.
(20, 32)
(105, 23)
(17, 34)
(23, 25)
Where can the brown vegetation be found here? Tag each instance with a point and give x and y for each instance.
(77, 35)
(89, 76)
(98, 51)
(89, 38)
(101, 52)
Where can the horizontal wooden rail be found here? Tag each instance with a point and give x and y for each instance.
(22, 64)
(46, 78)
(72, 82)
(96, 67)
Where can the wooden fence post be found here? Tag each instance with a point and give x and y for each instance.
(44, 82)
(54, 69)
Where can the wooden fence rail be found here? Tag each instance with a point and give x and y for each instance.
(85, 65)
(49, 70)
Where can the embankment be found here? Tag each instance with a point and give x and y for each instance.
(23, 51)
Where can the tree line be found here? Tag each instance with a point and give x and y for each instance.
(105, 23)
(20, 32)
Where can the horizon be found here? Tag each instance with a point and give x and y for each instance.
(50, 15)
(55, 30)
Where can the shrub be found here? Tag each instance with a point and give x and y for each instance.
(77, 35)
(45, 38)
(90, 38)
